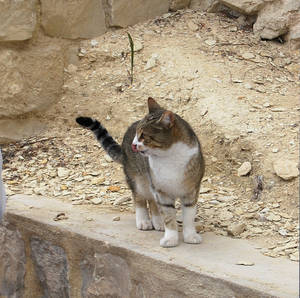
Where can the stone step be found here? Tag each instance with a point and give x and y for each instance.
(85, 252)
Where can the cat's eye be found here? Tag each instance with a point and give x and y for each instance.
(142, 137)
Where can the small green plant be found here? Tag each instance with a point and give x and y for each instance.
(131, 58)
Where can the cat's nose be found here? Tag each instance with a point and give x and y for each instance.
(134, 147)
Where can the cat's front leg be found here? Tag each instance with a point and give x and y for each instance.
(143, 221)
(189, 231)
(156, 218)
(168, 212)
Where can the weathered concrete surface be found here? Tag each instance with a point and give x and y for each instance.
(96, 246)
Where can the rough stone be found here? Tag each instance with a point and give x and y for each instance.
(236, 229)
(30, 80)
(274, 18)
(179, 4)
(51, 267)
(286, 169)
(205, 5)
(126, 13)
(294, 33)
(244, 169)
(12, 263)
(248, 7)
(18, 19)
(15, 130)
(73, 19)
(2, 191)
(105, 275)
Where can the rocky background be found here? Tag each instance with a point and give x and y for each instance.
(38, 39)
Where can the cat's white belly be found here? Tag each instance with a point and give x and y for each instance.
(168, 170)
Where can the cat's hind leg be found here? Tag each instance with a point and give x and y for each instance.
(189, 212)
(143, 221)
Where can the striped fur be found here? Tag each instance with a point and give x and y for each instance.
(112, 148)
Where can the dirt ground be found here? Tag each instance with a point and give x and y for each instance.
(240, 94)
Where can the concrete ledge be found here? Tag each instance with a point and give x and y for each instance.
(80, 257)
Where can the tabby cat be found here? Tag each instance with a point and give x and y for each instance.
(162, 161)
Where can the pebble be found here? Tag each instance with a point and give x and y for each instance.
(225, 215)
(152, 62)
(204, 190)
(210, 42)
(248, 55)
(62, 172)
(282, 232)
(245, 263)
(236, 229)
(294, 256)
(286, 169)
(273, 217)
(116, 218)
(96, 201)
(194, 27)
(278, 110)
(138, 46)
(94, 43)
(120, 201)
(244, 169)
(275, 150)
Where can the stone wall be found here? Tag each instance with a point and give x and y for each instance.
(39, 38)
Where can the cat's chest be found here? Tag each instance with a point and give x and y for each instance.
(168, 171)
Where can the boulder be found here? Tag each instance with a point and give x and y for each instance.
(179, 4)
(248, 7)
(275, 17)
(205, 5)
(18, 19)
(126, 13)
(73, 19)
(30, 79)
(294, 33)
(12, 130)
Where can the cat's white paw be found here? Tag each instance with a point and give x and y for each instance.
(144, 224)
(158, 223)
(170, 238)
(192, 238)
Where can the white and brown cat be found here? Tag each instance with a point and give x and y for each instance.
(162, 160)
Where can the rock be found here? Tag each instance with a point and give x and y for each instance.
(30, 79)
(282, 231)
(15, 130)
(245, 263)
(286, 169)
(18, 19)
(294, 32)
(138, 46)
(273, 217)
(12, 263)
(294, 256)
(178, 4)
(244, 169)
(106, 275)
(210, 42)
(248, 7)
(204, 190)
(225, 215)
(193, 27)
(51, 265)
(205, 5)
(114, 188)
(97, 201)
(126, 13)
(116, 218)
(236, 229)
(248, 55)
(73, 19)
(94, 43)
(151, 62)
(63, 172)
(275, 17)
(120, 201)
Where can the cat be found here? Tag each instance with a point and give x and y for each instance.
(162, 161)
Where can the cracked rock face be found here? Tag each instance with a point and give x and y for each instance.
(51, 268)
(12, 263)
(105, 275)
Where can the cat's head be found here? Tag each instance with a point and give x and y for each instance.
(155, 133)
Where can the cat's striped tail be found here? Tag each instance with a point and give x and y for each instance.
(112, 148)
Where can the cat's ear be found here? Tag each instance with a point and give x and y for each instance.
(167, 119)
(153, 105)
